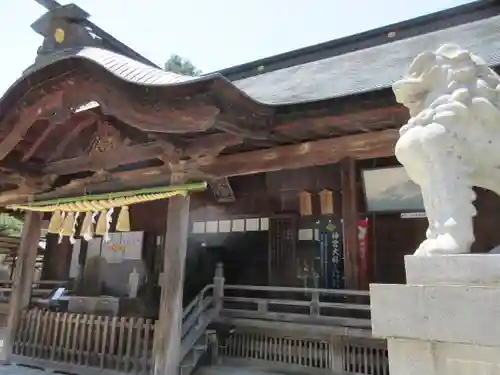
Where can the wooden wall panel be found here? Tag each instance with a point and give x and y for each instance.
(149, 217)
(393, 237)
(270, 193)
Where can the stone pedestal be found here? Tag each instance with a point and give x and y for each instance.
(445, 320)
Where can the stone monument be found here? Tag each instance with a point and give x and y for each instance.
(444, 321)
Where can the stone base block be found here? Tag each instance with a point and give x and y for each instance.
(455, 314)
(466, 269)
(445, 321)
(412, 357)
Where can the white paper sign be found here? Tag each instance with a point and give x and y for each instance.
(238, 225)
(113, 250)
(224, 226)
(212, 226)
(132, 242)
(305, 234)
(264, 223)
(199, 227)
(252, 225)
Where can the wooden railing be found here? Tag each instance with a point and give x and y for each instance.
(39, 289)
(196, 318)
(344, 308)
(121, 344)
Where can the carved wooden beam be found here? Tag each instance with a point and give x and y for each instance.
(146, 112)
(205, 146)
(77, 129)
(326, 151)
(352, 120)
(211, 145)
(106, 160)
(38, 143)
(24, 119)
(52, 125)
(322, 152)
(26, 170)
(231, 128)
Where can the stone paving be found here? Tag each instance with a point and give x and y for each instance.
(233, 370)
(21, 370)
(214, 370)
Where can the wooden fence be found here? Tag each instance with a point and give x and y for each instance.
(125, 344)
(112, 343)
(341, 355)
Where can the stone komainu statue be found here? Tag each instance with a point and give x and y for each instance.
(451, 142)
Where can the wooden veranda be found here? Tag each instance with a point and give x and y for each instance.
(318, 336)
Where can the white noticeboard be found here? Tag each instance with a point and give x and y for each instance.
(133, 245)
(306, 234)
(123, 246)
(113, 250)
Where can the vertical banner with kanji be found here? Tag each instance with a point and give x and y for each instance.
(330, 241)
(364, 260)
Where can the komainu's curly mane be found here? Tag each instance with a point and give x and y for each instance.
(450, 144)
(451, 72)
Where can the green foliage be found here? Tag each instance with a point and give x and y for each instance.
(179, 65)
(10, 226)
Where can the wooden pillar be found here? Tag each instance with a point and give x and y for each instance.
(350, 221)
(23, 279)
(57, 259)
(219, 287)
(168, 329)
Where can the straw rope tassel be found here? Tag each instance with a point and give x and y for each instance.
(109, 218)
(87, 231)
(63, 218)
(101, 224)
(67, 227)
(55, 223)
(123, 222)
(72, 239)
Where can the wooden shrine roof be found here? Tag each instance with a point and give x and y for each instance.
(150, 125)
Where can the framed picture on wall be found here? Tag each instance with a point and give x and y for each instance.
(391, 190)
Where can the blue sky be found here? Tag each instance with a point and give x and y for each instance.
(213, 34)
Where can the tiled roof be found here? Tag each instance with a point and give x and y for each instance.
(368, 69)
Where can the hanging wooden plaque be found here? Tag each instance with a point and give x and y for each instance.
(305, 203)
(326, 202)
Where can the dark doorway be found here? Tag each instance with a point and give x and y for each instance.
(244, 256)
